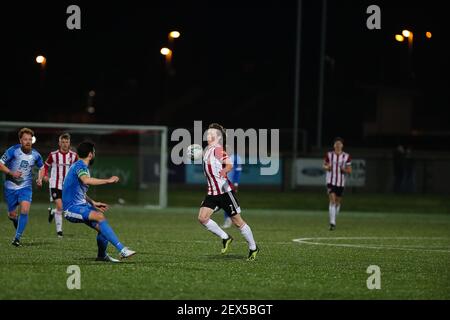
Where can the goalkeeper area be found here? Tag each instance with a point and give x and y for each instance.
(299, 258)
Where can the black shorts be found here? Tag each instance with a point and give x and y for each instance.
(339, 191)
(55, 194)
(226, 201)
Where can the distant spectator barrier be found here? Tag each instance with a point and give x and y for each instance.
(251, 175)
(309, 172)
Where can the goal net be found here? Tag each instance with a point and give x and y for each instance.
(136, 154)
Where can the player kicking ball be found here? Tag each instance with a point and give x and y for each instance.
(216, 165)
(79, 208)
(337, 163)
(17, 163)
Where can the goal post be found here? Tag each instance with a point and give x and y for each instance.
(135, 153)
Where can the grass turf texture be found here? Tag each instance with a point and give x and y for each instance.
(178, 259)
(301, 200)
(182, 196)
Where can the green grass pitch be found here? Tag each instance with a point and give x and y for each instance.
(178, 259)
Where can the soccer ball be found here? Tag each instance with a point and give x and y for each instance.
(194, 152)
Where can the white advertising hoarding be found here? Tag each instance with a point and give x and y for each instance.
(310, 173)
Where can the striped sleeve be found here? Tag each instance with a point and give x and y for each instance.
(220, 154)
(326, 158)
(349, 161)
(49, 161)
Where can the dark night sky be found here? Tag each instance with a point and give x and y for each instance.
(234, 63)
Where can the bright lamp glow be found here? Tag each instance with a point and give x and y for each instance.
(399, 37)
(165, 51)
(428, 34)
(40, 59)
(406, 33)
(174, 34)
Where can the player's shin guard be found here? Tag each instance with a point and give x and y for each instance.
(102, 244)
(213, 227)
(58, 220)
(109, 234)
(22, 223)
(332, 209)
(248, 235)
(338, 208)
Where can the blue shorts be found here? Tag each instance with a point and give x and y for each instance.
(14, 197)
(80, 214)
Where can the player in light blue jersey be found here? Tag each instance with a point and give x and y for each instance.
(235, 177)
(17, 163)
(79, 208)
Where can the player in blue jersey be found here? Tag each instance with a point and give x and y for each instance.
(235, 177)
(17, 163)
(79, 208)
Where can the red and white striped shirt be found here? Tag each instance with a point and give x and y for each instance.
(213, 162)
(59, 163)
(336, 176)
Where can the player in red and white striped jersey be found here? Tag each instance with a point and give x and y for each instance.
(58, 164)
(337, 163)
(216, 165)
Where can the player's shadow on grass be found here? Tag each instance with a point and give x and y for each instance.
(92, 261)
(68, 235)
(218, 257)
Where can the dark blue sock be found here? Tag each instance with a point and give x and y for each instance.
(109, 234)
(14, 221)
(23, 220)
(102, 244)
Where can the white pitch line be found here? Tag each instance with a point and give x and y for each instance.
(312, 241)
(55, 240)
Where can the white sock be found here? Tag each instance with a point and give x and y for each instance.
(332, 209)
(338, 208)
(213, 227)
(248, 235)
(58, 220)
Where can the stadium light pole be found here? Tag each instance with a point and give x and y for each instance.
(321, 74)
(42, 61)
(296, 93)
(410, 36)
(171, 45)
(407, 34)
(167, 53)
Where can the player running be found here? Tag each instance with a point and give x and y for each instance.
(235, 177)
(337, 163)
(17, 163)
(58, 162)
(216, 165)
(78, 207)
